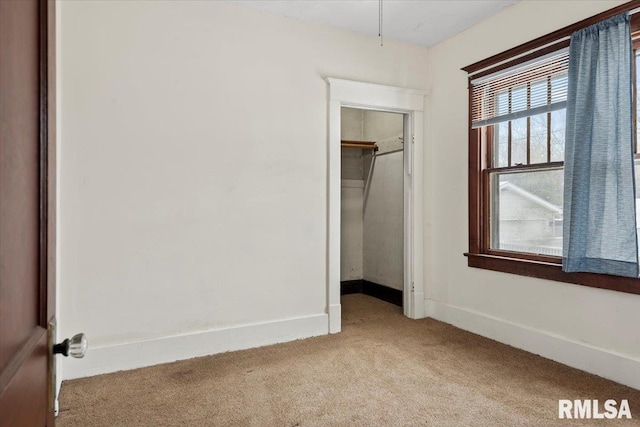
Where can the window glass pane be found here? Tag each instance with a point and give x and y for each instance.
(538, 137)
(539, 93)
(501, 144)
(558, 124)
(637, 176)
(503, 103)
(519, 98)
(519, 141)
(637, 98)
(526, 211)
(559, 88)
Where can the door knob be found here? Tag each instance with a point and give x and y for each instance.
(76, 346)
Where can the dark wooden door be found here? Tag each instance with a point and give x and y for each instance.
(26, 225)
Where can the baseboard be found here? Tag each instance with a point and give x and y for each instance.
(394, 296)
(348, 287)
(102, 360)
(361, 286)
(617, 367)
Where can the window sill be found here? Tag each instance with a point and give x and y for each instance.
(552, 271)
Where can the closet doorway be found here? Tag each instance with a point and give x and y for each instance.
(409, 103)
(372, 204)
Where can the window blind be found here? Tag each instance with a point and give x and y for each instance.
(535, 87)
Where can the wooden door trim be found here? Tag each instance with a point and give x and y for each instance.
(48, 58)
(47, 61)
(44, 313)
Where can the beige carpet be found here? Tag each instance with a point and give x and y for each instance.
(382, 370)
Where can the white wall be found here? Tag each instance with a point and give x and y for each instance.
(351, 124)
(592, 329)
(193, 185)
(351, 228)
(383, 235)
(384, 128)
(352, 196)
(383, 222)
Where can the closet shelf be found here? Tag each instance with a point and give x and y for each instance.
(364, 145)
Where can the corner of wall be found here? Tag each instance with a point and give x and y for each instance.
(598, 361)
(103, 360)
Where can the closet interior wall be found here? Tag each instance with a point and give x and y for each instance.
(372, 199)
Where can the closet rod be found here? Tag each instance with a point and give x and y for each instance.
(364, 145)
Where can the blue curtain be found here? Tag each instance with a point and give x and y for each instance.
(599, 231)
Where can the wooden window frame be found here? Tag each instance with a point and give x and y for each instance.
(540, 266)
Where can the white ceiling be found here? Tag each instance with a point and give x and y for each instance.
(425, 22)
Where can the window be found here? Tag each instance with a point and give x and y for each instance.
(520, 114)
(516, 153)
